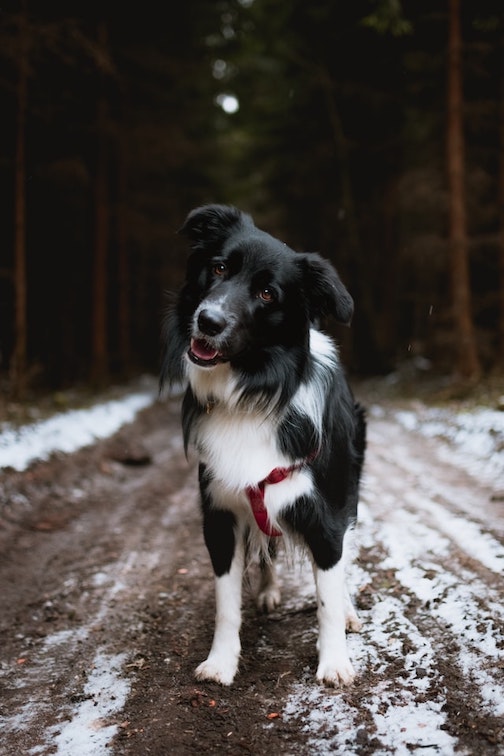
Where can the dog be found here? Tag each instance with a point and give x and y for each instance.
(279, 437)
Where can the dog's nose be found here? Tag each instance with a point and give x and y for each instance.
(211, 322)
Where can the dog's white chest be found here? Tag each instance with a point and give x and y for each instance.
(239, 447)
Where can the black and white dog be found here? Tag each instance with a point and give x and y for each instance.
(279, 436)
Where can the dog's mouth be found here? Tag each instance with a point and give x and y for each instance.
(202, 353)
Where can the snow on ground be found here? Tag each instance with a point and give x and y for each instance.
(400, 718)
(476, 436)
(404, 712)
(85, 728)
(416, 528)
(414, 537)
(68, 431)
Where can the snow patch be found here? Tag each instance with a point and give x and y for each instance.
(67, 431)
(475, 437)
(451, 600)
(89, 727)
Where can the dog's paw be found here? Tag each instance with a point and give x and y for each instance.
(352, 622)
(269, 599)
(336, 674)
(217, 670)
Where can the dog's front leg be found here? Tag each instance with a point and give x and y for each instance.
(222, 662)
(335, 611)
(334, 664)
(226, 548)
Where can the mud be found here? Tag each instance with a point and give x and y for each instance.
(106, 608)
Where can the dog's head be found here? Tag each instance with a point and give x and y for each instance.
(247, 293)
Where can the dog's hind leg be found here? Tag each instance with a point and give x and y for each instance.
(352, 620)
(268, 595)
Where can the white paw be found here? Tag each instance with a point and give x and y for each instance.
(336, 673)
(268, 599)
(217, 669)
(352, 622)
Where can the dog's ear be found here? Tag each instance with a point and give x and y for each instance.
(326, 293)
(207, 227)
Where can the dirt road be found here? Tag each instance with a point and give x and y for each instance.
(106, 607)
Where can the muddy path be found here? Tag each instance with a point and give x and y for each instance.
(106, 607)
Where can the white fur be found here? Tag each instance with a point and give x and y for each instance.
(268, 594)
(217, 383)
(310, 398)
(239, 447)
(280, 495)
(335, 612)
(222, 662)
(277, 497)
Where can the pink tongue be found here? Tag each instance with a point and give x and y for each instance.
(202, 350)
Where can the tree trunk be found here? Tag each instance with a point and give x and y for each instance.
(18, 365)
(501, 205)
(99, 367)
(361, 283)
(123, 273)
(467, 360)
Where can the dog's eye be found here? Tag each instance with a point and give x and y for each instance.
(220, 269)
(266, 294)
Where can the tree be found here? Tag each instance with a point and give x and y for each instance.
(120, 134)
(500, 195)
(102, 213)
(315, 135)
(123, 271)
(19, 356)
(466, 354)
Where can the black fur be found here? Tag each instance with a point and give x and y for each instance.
(250, 303)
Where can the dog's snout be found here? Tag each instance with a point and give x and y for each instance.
(211, 322)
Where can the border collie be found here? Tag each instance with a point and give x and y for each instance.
(279, 437)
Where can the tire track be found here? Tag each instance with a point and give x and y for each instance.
(448, 572)
(109, 614)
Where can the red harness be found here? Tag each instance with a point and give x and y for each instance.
(255, 496)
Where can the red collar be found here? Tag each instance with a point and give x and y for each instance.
(255, 496)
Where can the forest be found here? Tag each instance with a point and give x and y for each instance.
(369, 131)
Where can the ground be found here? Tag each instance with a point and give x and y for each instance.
(106, 608)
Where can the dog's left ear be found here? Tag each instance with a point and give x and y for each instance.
(326, 293)
(207, 227)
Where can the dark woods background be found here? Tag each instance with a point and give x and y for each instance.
(370, 131)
